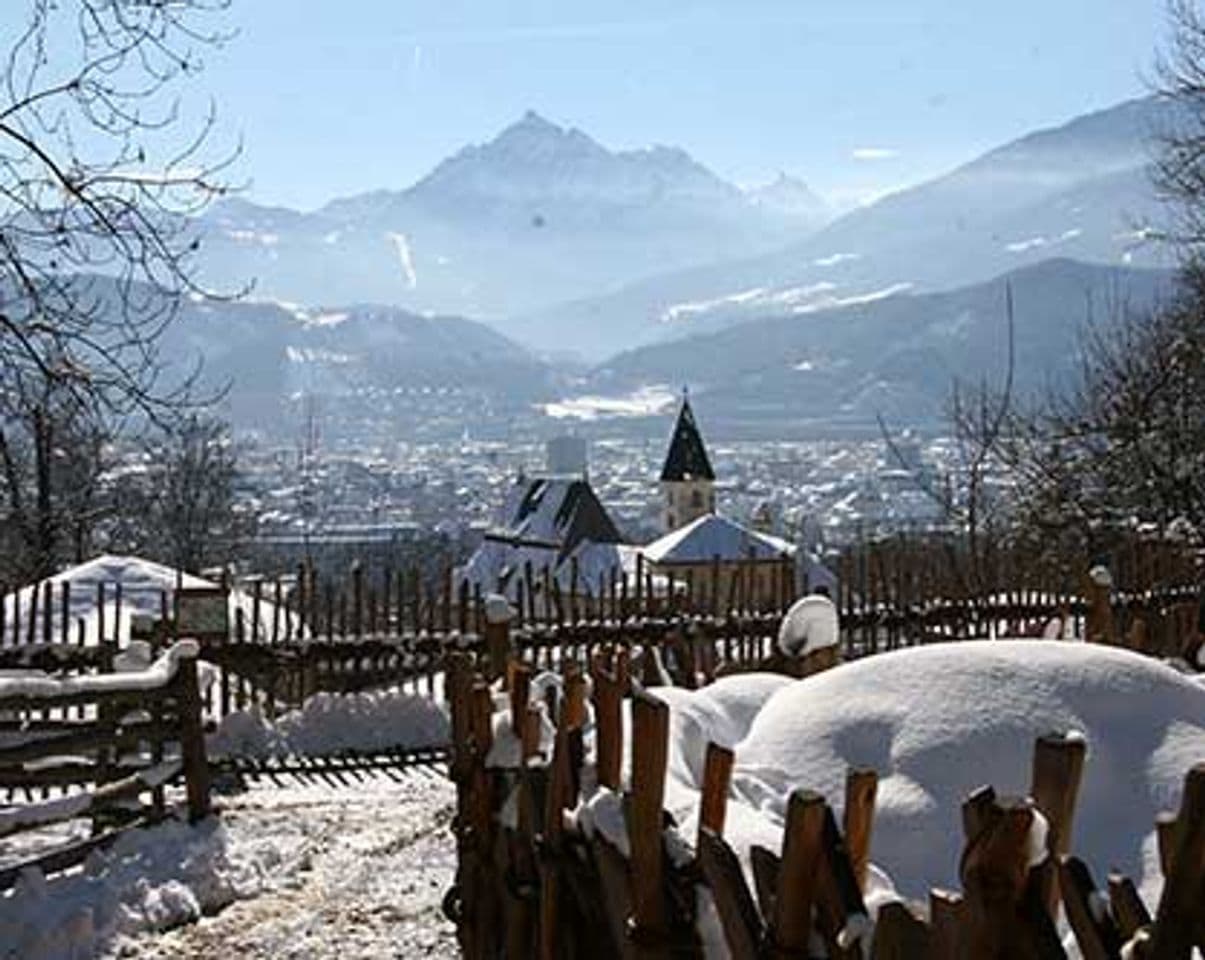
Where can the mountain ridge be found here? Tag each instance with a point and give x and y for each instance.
(896, 355)
(1079, 189)
(536, 215)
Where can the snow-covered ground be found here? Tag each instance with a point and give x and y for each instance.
(389, 719)
(352, 872)
(285, 870)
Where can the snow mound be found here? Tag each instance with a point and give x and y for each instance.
(331, 723)
(937, 722)
(721, 712)
(149, 879)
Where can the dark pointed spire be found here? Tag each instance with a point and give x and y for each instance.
(687, 456)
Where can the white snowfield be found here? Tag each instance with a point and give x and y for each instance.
(935, 723)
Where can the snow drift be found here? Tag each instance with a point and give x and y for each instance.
(149, 879)
(332, 723)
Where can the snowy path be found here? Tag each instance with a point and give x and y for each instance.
(351, 872)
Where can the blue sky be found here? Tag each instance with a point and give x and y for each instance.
(854, 96)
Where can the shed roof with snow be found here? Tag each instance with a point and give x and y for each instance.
(144, 584)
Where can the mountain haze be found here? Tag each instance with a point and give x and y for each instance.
(897, 355)
(1078, 191)
(377, 363)
(540, 214)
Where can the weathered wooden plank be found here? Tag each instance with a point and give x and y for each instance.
(946, 925)
(900, 934)
(1095, 932)
(1129, 912)
(861, 788)
(1058, 765)
(802, 851)
(717, 776)
(650, 756)
(743, 927)
(1180, 918)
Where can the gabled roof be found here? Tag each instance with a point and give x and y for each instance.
(713, 536)
(687, 456)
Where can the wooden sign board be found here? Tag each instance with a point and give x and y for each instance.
(203, 614)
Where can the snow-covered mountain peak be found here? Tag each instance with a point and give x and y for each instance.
(789, 195)
(537, 162)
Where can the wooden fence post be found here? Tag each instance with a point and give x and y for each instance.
(1179, 923)
(192, 736)
(1129, 911)
(1100, 627)
(1058, 766)
(573, 707)
(717, 776)
(556, 801)
(744, 930)
(1002, 922)
(946, 923)
(861, 788)
(497, 635)
(798, 874)
(899, 935)
(650, 756)
(519, 685)
(1096, 933)
(608, 725)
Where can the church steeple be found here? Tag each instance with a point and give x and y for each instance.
(687, 478)
(687, 456)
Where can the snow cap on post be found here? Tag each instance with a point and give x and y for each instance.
(498, 609)
(809, 626)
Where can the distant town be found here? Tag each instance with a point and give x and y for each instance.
(341, 499)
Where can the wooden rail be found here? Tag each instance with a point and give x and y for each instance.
(103, 740)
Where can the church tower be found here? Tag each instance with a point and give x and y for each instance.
(687, 480)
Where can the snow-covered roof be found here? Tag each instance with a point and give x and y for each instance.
(556, 512)
(713, 535)
(143, 583)
(497, 565)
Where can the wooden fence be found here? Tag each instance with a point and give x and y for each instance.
(691, 645)
(904, 590)
(530, 884)
(100, 741)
